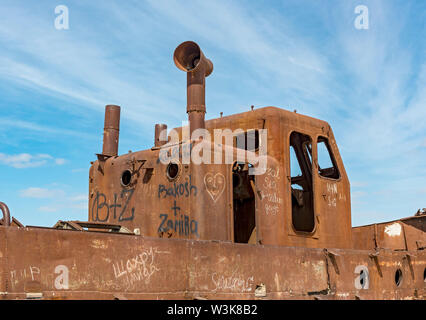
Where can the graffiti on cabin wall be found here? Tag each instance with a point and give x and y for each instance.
(334, 195)
(177, 222)
(270, 192)
(178, 190)
(102, 209)
(215, 184)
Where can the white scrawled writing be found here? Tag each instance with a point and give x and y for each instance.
(232, 283)
(139, 268)
(270, 193)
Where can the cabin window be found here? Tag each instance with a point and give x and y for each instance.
(248, 140)
(326, 162)
(295, 169)
(301, 182)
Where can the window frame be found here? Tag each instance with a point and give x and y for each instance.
(301, 233)
(332, 158)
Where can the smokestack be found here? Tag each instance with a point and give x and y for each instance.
(160, 135)
(189, 58)
(111, 130)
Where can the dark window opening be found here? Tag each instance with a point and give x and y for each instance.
(301, 182)
(362, 278)
(326, 163)
(398, 277)
(243, 204)
(126, 177)
(172, 170)
(248, 140)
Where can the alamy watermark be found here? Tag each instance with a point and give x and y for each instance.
(225, 147)
(62, 18)
(362, 19)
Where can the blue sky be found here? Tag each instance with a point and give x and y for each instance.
(369, 84)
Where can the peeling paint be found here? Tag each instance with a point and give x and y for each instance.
(318, 267)
(277, 281)
(393, 230)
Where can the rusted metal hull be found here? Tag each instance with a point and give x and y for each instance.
(61, 264)
(163, 227)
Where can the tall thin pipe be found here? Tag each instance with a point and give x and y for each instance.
(160, 135)
(111, 130)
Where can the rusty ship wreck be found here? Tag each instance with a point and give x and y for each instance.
(175, 229)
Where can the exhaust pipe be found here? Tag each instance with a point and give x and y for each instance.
(6, 214)
(111, 130)
(160, 137)
(189, 58)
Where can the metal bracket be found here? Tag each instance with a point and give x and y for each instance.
(421, 245)
(408, 256)
(101, 161)
(333, 258)
(93, 226)
(375, 257)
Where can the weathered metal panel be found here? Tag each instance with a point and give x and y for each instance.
(364, 238)
(413, 236)
(358, 274)
(391, 236)
(3, 265)
(234, 271)
(63, 264)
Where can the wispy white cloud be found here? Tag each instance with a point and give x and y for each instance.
(80, 170)
(48, 209)
(358, 184)
(26, 160)
(79, 198)
(60, 161)
(78, 203)
(58, 199)
(70, 64)
(358, 197)
(8, 123)
(273, 49)
(40, 193)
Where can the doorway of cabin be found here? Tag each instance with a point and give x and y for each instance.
(244, 204)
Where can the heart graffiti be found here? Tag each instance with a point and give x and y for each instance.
(215, 184)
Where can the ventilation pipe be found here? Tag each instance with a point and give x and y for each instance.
(189, 58)
(160, 135)
(111, 131)
(6, 214)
